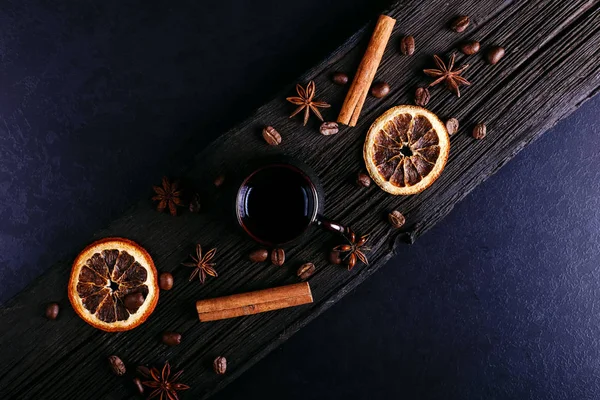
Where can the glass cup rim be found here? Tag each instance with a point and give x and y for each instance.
(296, 169)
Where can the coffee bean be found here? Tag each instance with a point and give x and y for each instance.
(422, 96)
(407, 45)
(278, 257)
(460, 23)
(271, 136)
(495, 53)
(116, 365)
(305, 271)
(396, 219)
(452, 126)
(339, 78)
(165, 281)
(133, 301)
(171, 338)
(220, 365)
(259, 255)
(329, 128)
(363, 180)
(52, 310)
(479, 131)
(334, 257)
(470, 47)
(219, 180)
(380, 89)
(137, 382)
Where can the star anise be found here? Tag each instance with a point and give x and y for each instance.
(448, 74)
(355, 249)
(168, 195)
(202, 265)
(164, 384)
(305, 102)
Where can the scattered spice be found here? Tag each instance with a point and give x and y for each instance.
(365, 73)
(460, 23)
(271, 136)
(52, 310)
(470, 47)
(306, 271)
(363, 179)
(254, 302)
(168, 196)
(354, 250)
(165, 281)
(479, 131)
(202, 265)
(422, 96)
(334, 257)
(171, 338)
(448, 74)
(164, 384)
(396, 219)
(137, 382)
(339, 78)
(194, 205)
(278, 257)
(305, 101)
(329, 128)
(219, 180)
(259, 255)
(452, 126)
(495, 53)
(116, 365)
(133, 301)
(143, 371)
(380, 89)
(407, 45)
(220, 365)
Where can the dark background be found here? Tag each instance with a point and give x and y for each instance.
(99, 99)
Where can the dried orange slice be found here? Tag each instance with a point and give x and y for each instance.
(406, 149)
(103, 274)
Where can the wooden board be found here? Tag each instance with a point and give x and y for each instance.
(551, 67)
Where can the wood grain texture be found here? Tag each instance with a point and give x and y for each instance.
(550, 68)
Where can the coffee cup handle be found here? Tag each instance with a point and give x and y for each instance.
(330, 225)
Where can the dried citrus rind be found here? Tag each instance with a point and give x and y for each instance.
(406, 149)
(103, 274)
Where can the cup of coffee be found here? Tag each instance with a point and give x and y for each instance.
(278, 202)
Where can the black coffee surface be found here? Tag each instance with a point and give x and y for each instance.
(276, 204)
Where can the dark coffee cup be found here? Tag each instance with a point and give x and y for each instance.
(278, 202)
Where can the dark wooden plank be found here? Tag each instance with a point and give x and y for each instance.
(550, 69)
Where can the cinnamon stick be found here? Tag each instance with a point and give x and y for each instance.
(256, 302)
(355, 99)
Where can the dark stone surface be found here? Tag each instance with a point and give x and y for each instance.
(100, 99)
